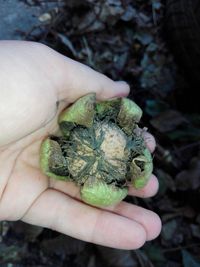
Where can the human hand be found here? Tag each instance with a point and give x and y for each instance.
(36, 83)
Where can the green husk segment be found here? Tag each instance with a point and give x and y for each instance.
(81, 112)
(108, 108)
(130, 114)
(101, 194)
(51, 152)
(140, 176)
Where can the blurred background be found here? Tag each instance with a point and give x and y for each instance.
(155, 46)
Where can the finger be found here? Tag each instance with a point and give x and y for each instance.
(80, 80)
(148, 191)
(148, 219)
(73, 190)
(74, 79)
(25, 193)
(59, 212)
(69, 188)
(71, 78)
(149, 141)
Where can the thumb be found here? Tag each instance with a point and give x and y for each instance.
(77, 79)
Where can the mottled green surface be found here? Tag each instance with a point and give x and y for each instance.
(100, 194)
(141, 177)
(129, 114)
(81, 112)
(108, 108)
(46, 151)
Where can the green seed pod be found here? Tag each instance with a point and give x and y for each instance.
(99, 150)
(52, 162)
(141, 169)
(130, 113)
(101, 194)
(108, 108)
(80, 113)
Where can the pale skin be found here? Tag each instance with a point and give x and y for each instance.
(36, 83)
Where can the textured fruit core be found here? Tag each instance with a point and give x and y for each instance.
(97, 153)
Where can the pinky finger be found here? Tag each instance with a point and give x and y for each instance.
(148, 191)
(149, 141)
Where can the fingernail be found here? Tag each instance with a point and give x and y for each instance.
(122, 89)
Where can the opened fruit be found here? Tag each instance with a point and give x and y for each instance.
(101, 149)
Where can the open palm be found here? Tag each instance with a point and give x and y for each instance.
(36, 83)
